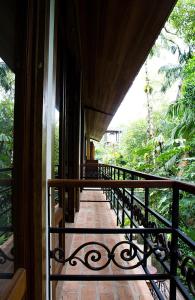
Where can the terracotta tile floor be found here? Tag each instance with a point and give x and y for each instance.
(96, 214)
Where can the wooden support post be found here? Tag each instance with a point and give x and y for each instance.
(88, 148)
(73, 95)
(92, 151)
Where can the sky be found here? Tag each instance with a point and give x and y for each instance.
(133, 106)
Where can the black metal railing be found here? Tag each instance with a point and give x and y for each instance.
(129, 207)
(6, 228)
(5, 205)
(162, 238)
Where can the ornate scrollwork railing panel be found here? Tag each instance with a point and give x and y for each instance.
(5, 257)
(122, 252)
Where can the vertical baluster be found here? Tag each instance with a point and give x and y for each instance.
(117, 204)
(131, 213)
(114, 202)
(117, 210)
(111, 190)
(123, 202)
(147, 195)
(174, 242)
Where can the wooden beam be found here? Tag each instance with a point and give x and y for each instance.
(98, 110)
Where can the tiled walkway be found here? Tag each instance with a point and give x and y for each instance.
(96, 214)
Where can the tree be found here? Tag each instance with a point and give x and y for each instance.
(182, 20)
(183, 110)
(7, 80)
(178, 37)
(6, 132)
(148, 91)
(6, 115)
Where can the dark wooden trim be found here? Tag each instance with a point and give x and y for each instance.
(70, 183)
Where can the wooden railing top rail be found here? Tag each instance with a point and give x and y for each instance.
(137, 173)
(110, 183)
(185, 186)
(190, 188)
(15, 289)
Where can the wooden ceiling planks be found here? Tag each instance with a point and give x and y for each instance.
(115, 38)
(8, 32)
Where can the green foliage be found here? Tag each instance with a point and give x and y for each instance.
(183, 20)
(172, 73)
(7, 80)
(6, 143)
(6, 132)
(6, 115)
(183, 110)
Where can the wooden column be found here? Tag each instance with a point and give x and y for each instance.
(82, 143)
(73, 131)
(35, 94)
(92, 151)
(88, 148)
(61, 101)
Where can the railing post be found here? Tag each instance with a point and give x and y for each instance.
(174, 242)
(132, 203)
(147, 195)
(123, 203)
(131, 213)
(117, 209)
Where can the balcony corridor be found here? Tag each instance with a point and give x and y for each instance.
(99, 215)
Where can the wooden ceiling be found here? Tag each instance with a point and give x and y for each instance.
(7, 32)
(115, 38)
